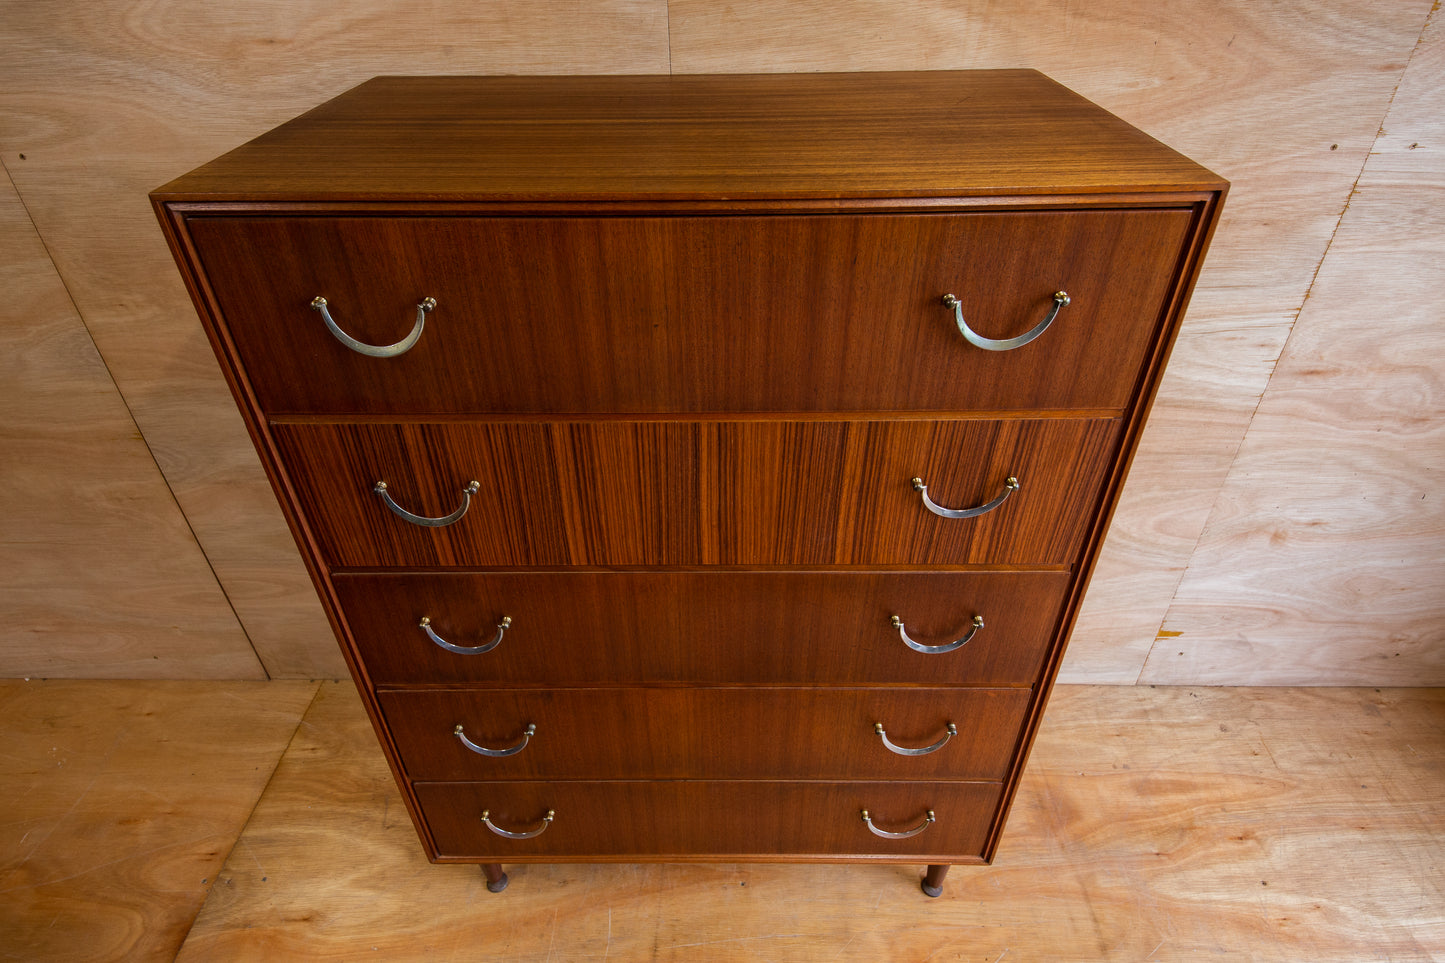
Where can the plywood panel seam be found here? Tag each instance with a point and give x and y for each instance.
(1355, 185)
(1354, 189)
(667, 15)
(1159, 632)
(1309, 289)
(130, 416)
(237, 839)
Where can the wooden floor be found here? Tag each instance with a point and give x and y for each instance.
(1153, 824)
(119, 802)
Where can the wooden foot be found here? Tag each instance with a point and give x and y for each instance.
(497, 880)
(933, 880)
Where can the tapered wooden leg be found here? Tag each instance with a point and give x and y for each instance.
(933, 879)
(497, 880)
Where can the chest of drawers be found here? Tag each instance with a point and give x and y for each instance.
(698, 467)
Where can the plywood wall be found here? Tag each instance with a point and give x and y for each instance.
(1324, 557)
(110, 98)
(99, 573)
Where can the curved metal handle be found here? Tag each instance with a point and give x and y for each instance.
(484, 751)
(502, 627)
(318, 303)
(546, 821)
(1061, 298)
(928, 818)
(938, 649)
(1009, 487)
(456, 516)
(952, 730)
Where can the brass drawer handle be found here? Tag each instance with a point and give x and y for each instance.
(938, 649)
(529, 834)
(928, 818)
(456, 516)
(502, 627)
(1009, 487)
(484, 751)
(401, 347)
(1061, 298)
(949, 733)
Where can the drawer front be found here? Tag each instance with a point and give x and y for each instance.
(703, 733)
(612, 820)
(700, 493)
(758, 628)
(693, 314)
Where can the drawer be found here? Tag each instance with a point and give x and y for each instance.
(693, 314)
(716, 819)
(705, 733)
(811, 628)
(699, 493)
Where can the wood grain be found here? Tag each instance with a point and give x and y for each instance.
(618, 819)
(1328, 541)
(108, 101)
(1236, 86)
(122, 801)
(693, 493)
(1276, 141)
(718, 314)
(703, 627)
(102, 577)
(732, 490)
(706, 733)
(926, 134)
(1150, 824)
(1279, 139)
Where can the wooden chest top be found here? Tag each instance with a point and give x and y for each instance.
(714, 138)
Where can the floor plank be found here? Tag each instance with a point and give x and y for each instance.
(1154, 823)
(121, 800)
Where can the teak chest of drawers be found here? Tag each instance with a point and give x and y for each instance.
(698, 467)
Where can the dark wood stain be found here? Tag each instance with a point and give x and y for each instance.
(924, 134)
(711, 627)
(688, 314)
(700, 493)
(658, 819)
(706, 733)
(689, 343)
